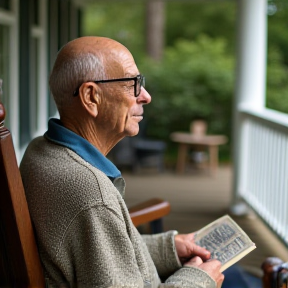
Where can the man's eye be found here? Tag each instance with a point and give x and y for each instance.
(129, 89)
(128, 86)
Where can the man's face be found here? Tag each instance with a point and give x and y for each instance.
(121, 110)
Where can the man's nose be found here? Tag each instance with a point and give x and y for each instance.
(144, 97)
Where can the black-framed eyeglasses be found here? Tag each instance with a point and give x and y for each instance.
(139, 81)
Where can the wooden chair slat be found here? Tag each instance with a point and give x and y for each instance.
(20, 264)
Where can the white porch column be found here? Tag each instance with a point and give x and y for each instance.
(250, 73)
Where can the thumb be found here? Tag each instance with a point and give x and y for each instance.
(195, 261)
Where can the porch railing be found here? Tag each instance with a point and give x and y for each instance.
(263, 169)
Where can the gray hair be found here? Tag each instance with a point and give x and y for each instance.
(70, 72)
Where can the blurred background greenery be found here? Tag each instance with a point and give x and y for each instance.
(195, 76)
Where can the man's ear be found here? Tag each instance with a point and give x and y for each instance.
(89, 94)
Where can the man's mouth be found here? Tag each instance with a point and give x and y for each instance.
(139, 117)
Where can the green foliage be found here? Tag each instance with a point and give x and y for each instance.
(123, 21)
(277, 60)
(277, 84)
(189, 19)
(278, 26)
(194, 80)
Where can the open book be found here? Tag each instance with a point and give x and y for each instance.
(226, 241)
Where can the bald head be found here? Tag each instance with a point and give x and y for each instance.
(93, 45)
(82, 60)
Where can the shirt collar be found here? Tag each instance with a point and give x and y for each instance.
(59, 134)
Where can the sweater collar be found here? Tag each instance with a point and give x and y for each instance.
(57, 133)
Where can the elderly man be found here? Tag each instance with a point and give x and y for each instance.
(75, 194)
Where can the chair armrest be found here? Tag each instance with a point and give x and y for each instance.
(275, 273)
(148, 211)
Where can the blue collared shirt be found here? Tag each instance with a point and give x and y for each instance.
(59, 134)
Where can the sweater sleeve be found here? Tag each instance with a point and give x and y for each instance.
(163, 252)
(189, 277)
(97, 252)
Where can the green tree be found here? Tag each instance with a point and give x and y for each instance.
(277, 60)
(277, 85)
(123, 21)
(189, 19)
(194, 80)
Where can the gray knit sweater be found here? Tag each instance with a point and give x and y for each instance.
(84, 232)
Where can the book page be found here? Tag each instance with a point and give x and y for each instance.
(226, 241)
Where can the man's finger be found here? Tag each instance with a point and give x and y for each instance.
(200, 251)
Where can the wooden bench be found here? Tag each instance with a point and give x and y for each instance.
(20, 264)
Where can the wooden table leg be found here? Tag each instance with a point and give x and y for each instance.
(213, 159)
(181, 160)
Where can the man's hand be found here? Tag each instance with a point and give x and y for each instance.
(212, 267)
(186, 248)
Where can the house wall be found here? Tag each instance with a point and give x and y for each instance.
(31, 33)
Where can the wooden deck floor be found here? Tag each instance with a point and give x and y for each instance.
(197, 199)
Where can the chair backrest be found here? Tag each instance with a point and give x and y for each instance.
(198, 127)
(19, 260)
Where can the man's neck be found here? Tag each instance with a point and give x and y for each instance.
(102, 140)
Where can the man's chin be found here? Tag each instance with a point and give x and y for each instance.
(132, 132)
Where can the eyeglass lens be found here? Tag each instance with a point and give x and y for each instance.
(140, 83)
